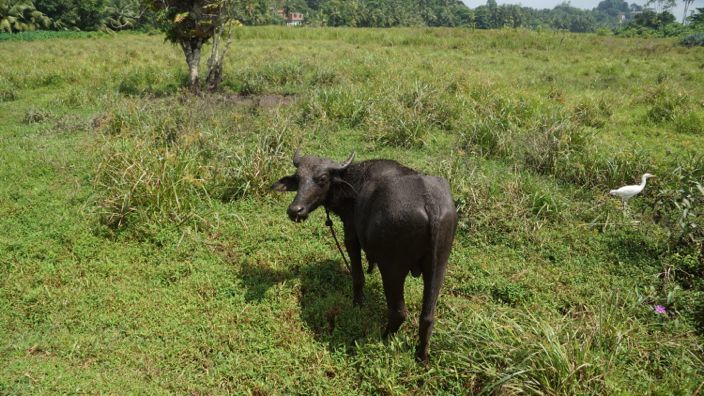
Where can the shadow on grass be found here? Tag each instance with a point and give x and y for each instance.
(634, 250)
(258, 279)
(326, 307)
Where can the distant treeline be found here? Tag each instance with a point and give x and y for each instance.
(609, 16)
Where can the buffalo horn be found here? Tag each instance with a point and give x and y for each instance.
(348, 162)
(297, 158)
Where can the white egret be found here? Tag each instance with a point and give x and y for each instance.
(628, 192)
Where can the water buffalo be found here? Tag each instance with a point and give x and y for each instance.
(403, 220)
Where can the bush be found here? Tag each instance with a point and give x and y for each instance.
(498, 122)
(680, 207)
(150, 81)
(664, 103)
(164, 163)
(689, 122)
(592, 112)
(342, 106)
(407, 117)
(8, 91)
(693, 40)
(275, 77)
(36, 116)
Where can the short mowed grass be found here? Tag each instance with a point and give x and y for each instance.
(140, 251)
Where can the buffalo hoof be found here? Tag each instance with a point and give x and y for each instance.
(358, 301)
(386, 334)
(422, 357)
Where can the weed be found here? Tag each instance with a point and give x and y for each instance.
(8, 92)
(664, 104)
(689, 122)
(36, 116)
(592, 113)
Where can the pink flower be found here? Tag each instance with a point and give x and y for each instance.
(660, 310)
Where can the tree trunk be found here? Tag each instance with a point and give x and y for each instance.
(686, 6)
(217, 55)
(191, 48)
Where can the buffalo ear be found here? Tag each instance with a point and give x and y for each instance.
(286, 183)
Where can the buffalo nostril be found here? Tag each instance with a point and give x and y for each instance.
(296, 209)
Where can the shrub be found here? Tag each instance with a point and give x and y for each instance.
(150, 81)
(693, 40)
(591, 112)
(272, 77)
(551, 144)
(407, 117)
(8, 91)
(664, 103)
(680, 207)
(689, 122)
(36, 116)
(342, 106)
(163, 164)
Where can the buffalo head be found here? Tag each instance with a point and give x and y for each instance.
(312, 182)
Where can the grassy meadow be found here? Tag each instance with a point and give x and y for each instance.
(140, 251)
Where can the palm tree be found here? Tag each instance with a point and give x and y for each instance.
(21, 16)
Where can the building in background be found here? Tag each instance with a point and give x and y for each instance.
(292, 18)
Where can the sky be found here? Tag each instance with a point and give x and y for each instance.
(586, 4)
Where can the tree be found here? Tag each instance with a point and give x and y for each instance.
(482, 17)
(21, 16)
(75, 14)
(686, 3)
(191, 24)
(253, 12)
(696, 20)
(123, 14)
(661, 5)
(341, 12)
(613, 7)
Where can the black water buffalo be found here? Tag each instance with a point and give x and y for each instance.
(403, 220)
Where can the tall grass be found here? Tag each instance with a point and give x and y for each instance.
(163, 163)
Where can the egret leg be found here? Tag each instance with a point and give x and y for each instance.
(626, 210)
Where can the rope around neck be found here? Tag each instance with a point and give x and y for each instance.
(328, 222)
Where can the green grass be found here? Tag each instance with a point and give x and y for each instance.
(141, 252)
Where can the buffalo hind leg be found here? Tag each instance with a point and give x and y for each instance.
(432, 280)
(396, 305)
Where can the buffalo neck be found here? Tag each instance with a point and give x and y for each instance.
(342, 195)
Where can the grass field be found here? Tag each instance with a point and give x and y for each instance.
(140, 251)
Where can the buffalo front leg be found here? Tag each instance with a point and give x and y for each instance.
(355, 253)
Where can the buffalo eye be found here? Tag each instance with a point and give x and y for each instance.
(322, 179)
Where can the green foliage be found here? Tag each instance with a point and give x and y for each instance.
(693, 40)
(21, 16)
(680, 206)
(664, 104)
(689, 121)
(8, 91)
(696, 20)
(76, 14)
(150, 81)
(46, 35)
(161, 167)
(184, 21)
